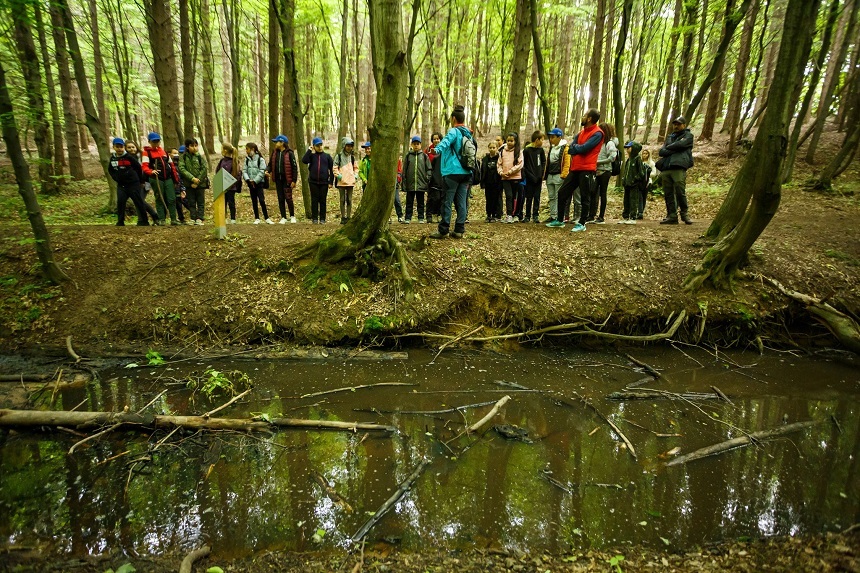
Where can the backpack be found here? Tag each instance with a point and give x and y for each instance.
(616, 164)
(469, 156)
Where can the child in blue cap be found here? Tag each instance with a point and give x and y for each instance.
(320, 178)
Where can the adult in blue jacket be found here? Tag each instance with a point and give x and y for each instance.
(676, 156)
(455, 177)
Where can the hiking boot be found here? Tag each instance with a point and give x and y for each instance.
(686, 218)
(577, 228)
(669, 221)
(456, 235)
(343, 220)
(438, 235)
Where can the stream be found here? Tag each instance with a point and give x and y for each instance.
(247, 493)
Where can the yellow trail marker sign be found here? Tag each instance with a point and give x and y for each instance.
(223, 180)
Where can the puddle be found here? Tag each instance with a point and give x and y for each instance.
(246, 493)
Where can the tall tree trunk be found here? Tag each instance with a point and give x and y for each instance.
(737, 226)
(274, 71)
(73, 148)
(812, 85)
(161, 38)
(760, 173)
(754, 82)
(840, 160)
(50, 269)
(122, 61)
(188, 70)
(411, 112)
(541, 73)
(596, 55)
(208, 63)
(343, 93)
(617, 102)
(56, 124)
(691, 13)
(520, 67)
(232, 14)
(607, 49)
(261, 84)
(29, 59)
(563, 83)
(369, 225)
(100, 100)
(295, 118)
(733, 114)
(670, 74)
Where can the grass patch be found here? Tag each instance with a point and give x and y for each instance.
(842, 256)
(80, 203)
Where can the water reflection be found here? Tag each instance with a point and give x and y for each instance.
(249, 493)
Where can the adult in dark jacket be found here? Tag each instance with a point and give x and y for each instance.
(124, 168)
(676, 156)
(284, 171)
(320, 178)
(417, 173)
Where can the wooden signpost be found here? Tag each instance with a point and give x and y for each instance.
(223, 180)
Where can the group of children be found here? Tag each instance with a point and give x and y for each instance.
(512, 179)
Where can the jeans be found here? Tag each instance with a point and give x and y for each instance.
(587, 185)
(123, 194)
(456, 196)
(411, 197)
(675, 192)
(257, 196)
(345, 202)
(602, 185)
(643, 198)
(553, 183)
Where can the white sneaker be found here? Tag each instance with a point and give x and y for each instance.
(630, 221)
(510, 219)
(232, 221)
(256, 221)
(269, 221)
(199, 222)
(292, 219)
(283, 221)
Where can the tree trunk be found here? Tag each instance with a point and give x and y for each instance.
(607, 49)
(50, 269)
(161, 38)
(73, 148)
(261, 84)
(733, 114)
(732, 20)
(754, 82)
(100, 101)
(56, 124)
(812, 86)
(617, 101)
(520, 67)
(33, 81)
(343, 110)
(760, 172)
(596, 55)
(292, 96)
(122, 61)
(840, 160)
(541, 73)
(274, 71)
(563, 83)
(188, 71)
(691, 13)
(369, 226)
(208, 62)
(670, 74)
(232, 13)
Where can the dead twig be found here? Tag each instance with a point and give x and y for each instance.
(354, 388)
(493, 411)
(235, 399)
(151, 402)
(71, 350)
(330, 492)
(426, 412)
(401, 491)
(454, 341)
(649, 369)
(600, 415)
(92, 437)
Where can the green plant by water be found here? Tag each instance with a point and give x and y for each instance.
(215, 382)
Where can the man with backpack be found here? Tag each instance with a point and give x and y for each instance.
(458, 157)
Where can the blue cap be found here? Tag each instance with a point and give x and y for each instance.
(118, 141)
(317, 141)
(416, 139)
(365, 145)
(181, 149)
(153, 136)
(629, 143)
(281, 139)
(555, 131)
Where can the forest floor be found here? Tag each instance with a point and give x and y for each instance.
(177, 288)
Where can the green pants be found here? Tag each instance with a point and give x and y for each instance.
(165, 192)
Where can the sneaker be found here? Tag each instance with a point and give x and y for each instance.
(343, 220)
(189, 222)
(630, 221)
(174, 223)
(509, 219)
(589, 222)
(599, 221)
(548, 221)
(669, 221)
(283, 221)
(686, 218)
(527, 220)
(621, 221)
(232, 221)
(406, 221)
(399, 219)
(456, 235)
(199, 222)
(438, 235)
(577, 228)
(536, 221)
(292, 219)
(420, 221)
(269, 221)
(555, 224)
(315, 222)
(256, 221)
(488, 220)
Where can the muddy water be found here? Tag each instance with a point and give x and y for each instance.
(249, 493)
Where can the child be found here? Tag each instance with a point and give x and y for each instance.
(510, 168)
(364, 165)
(229, 162)
(124, 168)
(181, 202)
(320, 178)
(634, 177)
(284, 170)
(417, 173)
(652, 175)
(194, 173)
(534, 167)
(143, 189)
(345, 172)
(557, 167)
(608, 153)
(434, 192)
(254, 175)
(158, 166)
(491, 182)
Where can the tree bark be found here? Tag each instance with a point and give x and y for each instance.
(232, 13)
(208, 63)
(607, 49)
(733, 113)
(617, 101)
(544, 92)
(29, 59)
(56, 124)
(520, 67)
(682, 89)
(840, 160)
(343, 110)
(50, 269)
(274, 71)
(760, 172)
(70, 125)
(189, 71)
(596, 55)
(161, 38)
(670, 74)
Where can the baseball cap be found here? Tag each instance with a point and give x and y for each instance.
(281, 139)
(416, 139)
(348, 141)
(555, 131)
(118, 141)
(317, 141)
(680, 119)
(629, 144)
(181, 149)
(153, 136)
(365, 145)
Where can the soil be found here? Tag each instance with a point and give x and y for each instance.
(828, 552)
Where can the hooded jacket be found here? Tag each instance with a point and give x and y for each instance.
(255, 169)
(155, 158)
(417, 172)
(558, 161)
(345, 166)
(608, 152)
(226, 164)
(125, 170)
(490, 178)
(677, 151)
(320, 167)
(634, 173)
(534, 163)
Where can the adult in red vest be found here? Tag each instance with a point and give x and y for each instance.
(583, 169)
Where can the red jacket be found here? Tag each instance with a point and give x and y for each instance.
(586, 148)
(158, 159)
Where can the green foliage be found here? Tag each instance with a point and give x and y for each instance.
(615, 563)
(214, 382)
(312, 276)
(154, 358)
(842, 256)
(373, 324)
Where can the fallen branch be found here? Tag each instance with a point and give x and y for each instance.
(235, 399)
(330, 492)
(25, 377)
(493, 411)
(189, 560)
(600, 415)
(649, 369)
(761, 436)
(93, 437)
(426, 412)
(71, 350)
(651, 395)
(85, 420)
(545, 474)
(354, 388)
(721, 395)
(402, 489)
(455, 340)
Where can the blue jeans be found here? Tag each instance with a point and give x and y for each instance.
(456, 195)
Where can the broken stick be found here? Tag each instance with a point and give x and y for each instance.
(402, 489)
(647, 368)
(354, 388)
(493, 411)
